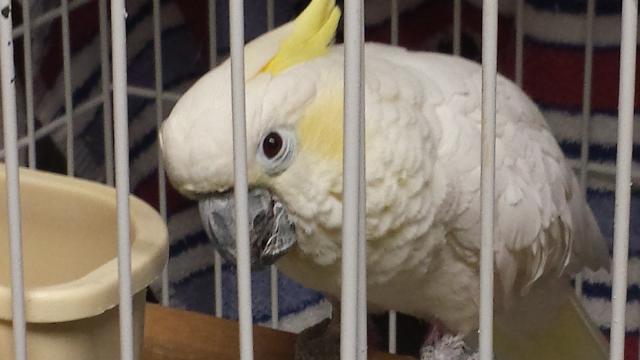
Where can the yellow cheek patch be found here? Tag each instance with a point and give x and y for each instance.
(313, 32)
(320, 130)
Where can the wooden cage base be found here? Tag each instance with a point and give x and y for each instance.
(172, 334)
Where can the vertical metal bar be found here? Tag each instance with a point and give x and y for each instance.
(457, 26)
(586, 111)
(362, 265)
(519, 41)
(236, 8)
(159, 85)
(217, 268)
(489, 66)
(119, 46)
(275, 316)
(394, 41)
(28, 82)
(68, 90)
(213, 61)
(362, 268)
(270, 14)
(623, 176)
(362, 225)
(213, 36)
(353, 114)
(393, 332)
(586, 94)
(10, 119)
(395, 23)
(106, 93)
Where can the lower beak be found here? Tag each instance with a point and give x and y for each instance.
(271, 232)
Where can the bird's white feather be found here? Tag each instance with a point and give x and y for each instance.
(423, 115)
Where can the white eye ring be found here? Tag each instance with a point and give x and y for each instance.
(276, 150)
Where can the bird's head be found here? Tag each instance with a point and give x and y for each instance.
(294, 137)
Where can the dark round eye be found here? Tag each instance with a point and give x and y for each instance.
(276, 150)
(271, 145)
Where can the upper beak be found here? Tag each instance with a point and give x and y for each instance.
(271, 232)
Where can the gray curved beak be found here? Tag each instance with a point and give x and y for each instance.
(271, 232)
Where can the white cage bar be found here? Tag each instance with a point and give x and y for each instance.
(395, 22)
(107, 112)
(159, 85)
(273, 270)
(213, 61)
(10, 119)
(586, 95)
(350, 344)
(28, 82)
(457, 27)
(586, 113)
(489, 69)
(68, 90)
(623, 176)
(121, 134)
(271, 14)
(236, 10)
(393, 316)
(361, 300)
(519, 42)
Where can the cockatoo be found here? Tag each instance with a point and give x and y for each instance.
(422, 137)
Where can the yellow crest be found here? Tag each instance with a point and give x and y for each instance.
(313, 31)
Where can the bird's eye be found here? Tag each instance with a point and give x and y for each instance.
(276, 150)
(272, 145)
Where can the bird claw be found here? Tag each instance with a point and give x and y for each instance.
(447, 347)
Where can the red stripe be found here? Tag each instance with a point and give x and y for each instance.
(630, 347)
(552, 74)
(84, 26)
(147, 190)
(559, 73)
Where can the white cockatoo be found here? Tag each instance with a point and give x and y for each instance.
(423, 213)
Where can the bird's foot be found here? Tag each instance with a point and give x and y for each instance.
(440, 345)
(447, 347)
(435, 333)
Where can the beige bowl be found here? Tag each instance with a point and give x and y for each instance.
(69, 235)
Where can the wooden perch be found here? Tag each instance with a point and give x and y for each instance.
(172, 334)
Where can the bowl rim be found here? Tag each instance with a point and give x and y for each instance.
(97, 291)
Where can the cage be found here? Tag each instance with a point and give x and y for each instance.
(95, 80)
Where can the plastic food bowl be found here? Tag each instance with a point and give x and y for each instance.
(69, 235)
